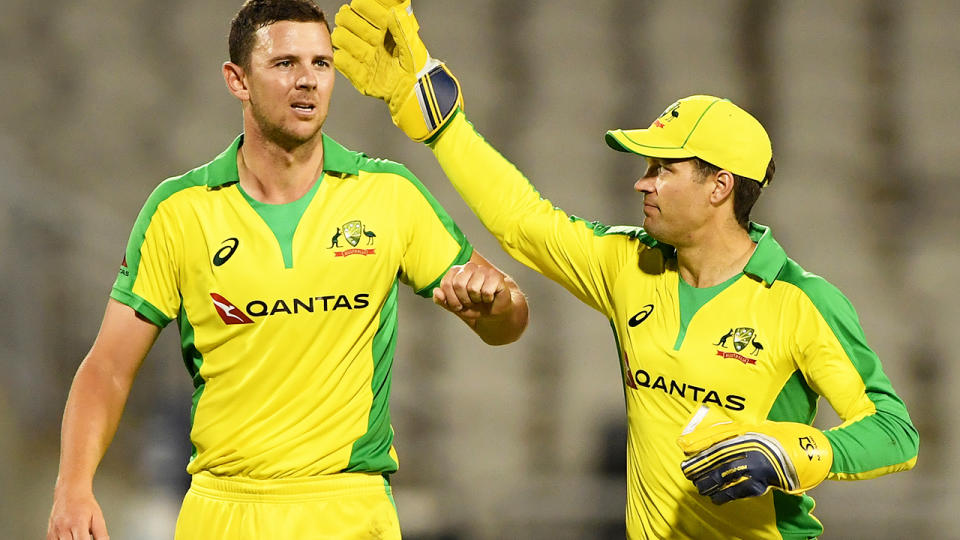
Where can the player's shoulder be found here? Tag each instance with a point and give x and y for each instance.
(371, 167)
(625, 232)
(210, 177)
(821, 293)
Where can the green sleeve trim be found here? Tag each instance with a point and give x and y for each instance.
(466, 251)
(141, 306)
(881, 440)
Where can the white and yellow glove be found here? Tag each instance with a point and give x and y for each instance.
(728, 460)
(376, 47)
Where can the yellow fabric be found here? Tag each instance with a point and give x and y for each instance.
(710, 128)
(287, 357)
(617, 273)
(339, 507)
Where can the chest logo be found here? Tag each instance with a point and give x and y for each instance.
(230, 313)
(353, 232)
(743, 338)
(224, 253)
(640, 316)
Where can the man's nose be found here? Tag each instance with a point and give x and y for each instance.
(644, 184)
(306, 80)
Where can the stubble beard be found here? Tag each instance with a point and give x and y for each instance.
(277, 133)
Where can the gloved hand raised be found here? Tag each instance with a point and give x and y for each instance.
(377, 47)
(728, 460)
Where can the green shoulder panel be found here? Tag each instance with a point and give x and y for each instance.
(888, 434)
(123, 286)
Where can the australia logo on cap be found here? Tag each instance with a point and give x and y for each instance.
(668, 115)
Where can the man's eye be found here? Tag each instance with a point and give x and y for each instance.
(284, 63)
(322, 63)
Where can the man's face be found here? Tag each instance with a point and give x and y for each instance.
(290, 80)
(676, 200)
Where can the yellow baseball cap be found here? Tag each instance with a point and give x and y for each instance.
(710, 128)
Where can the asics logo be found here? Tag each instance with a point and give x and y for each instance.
(226, 251)
(640, 316)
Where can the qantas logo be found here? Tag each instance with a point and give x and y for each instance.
(682, 389)
(230, 313)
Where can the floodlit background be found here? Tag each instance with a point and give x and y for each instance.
(103, 99)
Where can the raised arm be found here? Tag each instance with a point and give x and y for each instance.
(485, 298)
(379, 51)
(96, 401)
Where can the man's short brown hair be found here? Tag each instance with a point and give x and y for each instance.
(255, 14)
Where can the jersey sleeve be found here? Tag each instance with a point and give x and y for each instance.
(149, 279)
(585, 258)
(432, 241)
(877, 436)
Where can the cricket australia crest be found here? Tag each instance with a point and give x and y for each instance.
(742, 337)
(353, 231)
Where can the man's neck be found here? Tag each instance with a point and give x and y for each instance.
(716, 256)
(272, 174)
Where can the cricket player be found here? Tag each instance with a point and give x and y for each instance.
(280, 262)
(726, 344)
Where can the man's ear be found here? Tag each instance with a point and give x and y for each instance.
(236, 81)
(723, 186)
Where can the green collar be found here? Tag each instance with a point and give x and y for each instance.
(769, 258)
(223, 169)
(766, 262)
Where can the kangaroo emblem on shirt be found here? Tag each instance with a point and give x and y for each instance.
(723, 340)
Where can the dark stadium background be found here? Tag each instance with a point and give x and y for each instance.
(102, 99)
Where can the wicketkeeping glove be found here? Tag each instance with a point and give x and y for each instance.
(376, 47)
(728, 460)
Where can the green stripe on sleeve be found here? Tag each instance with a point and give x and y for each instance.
(885, 440)
(141, 306)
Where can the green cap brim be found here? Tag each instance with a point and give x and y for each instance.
(644, 143)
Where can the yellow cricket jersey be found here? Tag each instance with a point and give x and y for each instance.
(288, 313)
(765, 345)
